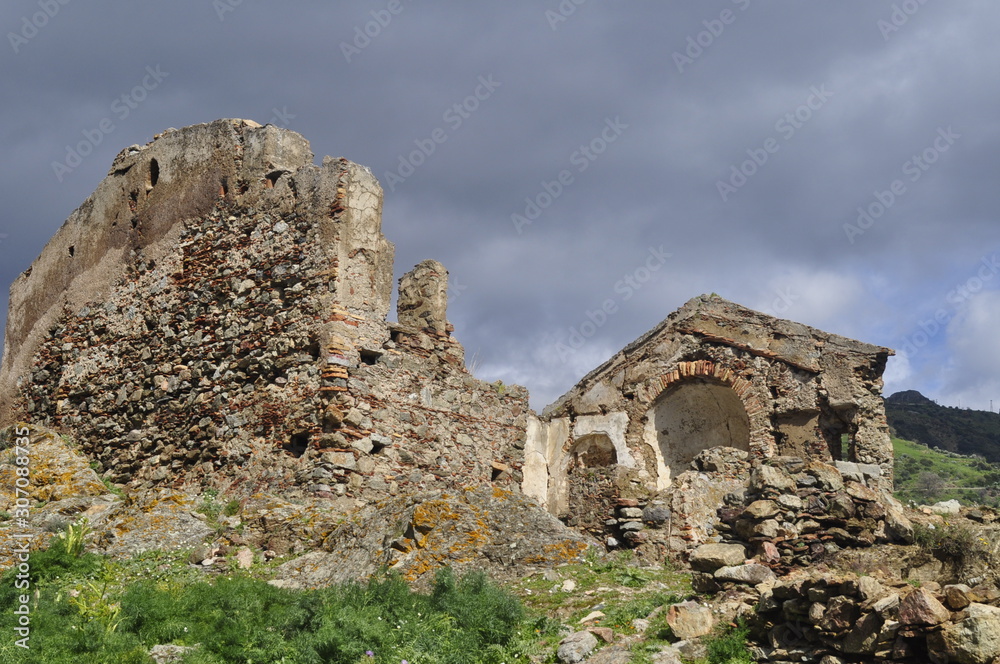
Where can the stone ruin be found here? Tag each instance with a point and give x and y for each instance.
(713, 374)
(215, 315)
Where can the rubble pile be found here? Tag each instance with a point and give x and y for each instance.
(839, 619)
(795, 512)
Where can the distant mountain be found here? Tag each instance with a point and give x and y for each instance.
(913, 416)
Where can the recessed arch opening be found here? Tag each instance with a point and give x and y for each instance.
(695, 415)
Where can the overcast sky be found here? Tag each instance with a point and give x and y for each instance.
(834, 163)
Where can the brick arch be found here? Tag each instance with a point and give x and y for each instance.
(698, 371)
(654, 387)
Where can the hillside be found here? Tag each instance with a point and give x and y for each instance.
(913, 416)
(925, 475)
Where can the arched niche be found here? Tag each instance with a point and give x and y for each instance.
(592, 451)
(693, 415)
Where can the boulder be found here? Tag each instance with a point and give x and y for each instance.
(766, 478)
(611, 655)
(948, 507)
(920, 607)
(605, 634)
(575, 647)
(828, 477)
(860, 492)
(710, 557)
(869, 589)
(761, 509)
(898, 526)
(669, 655)
(689, 620)
(973, 640)
(751, 574)
(841, 613)
(863, 636)
(958, 596)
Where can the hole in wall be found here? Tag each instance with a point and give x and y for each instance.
(154, 173)
(271, 179)
(370, 357)
(72, 251)
(297, 444)
(223, 188)
(135, 222)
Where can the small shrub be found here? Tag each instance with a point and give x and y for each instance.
(74, 537)
(950, 542)
(232, 508)
(729, 646)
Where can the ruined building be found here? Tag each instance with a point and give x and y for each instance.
(215, 313)
(712, 374)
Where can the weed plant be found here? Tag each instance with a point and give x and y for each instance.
(80, 614)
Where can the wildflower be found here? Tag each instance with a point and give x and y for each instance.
(369, 653)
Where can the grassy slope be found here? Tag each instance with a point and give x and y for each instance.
(913, 459)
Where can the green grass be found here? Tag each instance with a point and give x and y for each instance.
(729, 646)
(956, 472)
(88, 609)
(625, 592)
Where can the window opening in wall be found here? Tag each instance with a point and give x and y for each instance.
(154, 173)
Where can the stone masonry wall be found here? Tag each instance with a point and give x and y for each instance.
(715, 374)
(244, 342)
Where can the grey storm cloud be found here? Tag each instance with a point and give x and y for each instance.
(582, 168)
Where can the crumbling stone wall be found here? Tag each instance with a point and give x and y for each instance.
(715, 374)
(216, 313)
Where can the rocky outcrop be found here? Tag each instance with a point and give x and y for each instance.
(482, 528)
